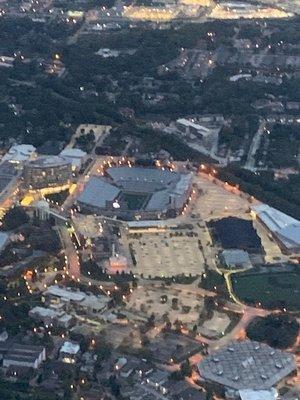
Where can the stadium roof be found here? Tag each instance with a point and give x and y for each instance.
(143, 175)
(97, 192)
(285, 227)
(236, 233)
(165, 189)
(247, 365)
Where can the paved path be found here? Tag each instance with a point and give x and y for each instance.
(250, 163)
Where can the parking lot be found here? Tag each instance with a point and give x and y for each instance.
(217, 201)
(159, 254)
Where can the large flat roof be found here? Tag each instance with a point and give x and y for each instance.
(282, 225)
(247, 365)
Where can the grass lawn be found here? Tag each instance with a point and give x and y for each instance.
(272, 290)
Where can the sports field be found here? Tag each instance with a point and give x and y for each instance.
(134, 201)
(272, 290)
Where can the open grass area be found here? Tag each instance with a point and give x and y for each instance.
(272, 290)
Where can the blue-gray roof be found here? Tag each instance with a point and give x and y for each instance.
(97, 192)
(139, 174)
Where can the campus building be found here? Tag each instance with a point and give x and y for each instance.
(47, 171)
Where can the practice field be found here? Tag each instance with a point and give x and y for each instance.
(272, 290)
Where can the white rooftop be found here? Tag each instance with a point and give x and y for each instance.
(249, 394)
(70, 348)
(83, 299)
(45, 312)
(19, 153)
(3, 240)
(65, 293)
(73, 153)
(192, 124)
(286, 227)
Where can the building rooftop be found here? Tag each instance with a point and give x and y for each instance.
(284, 226)
(249, 394)
(74, 155)
(83, 299)
(45, 312)
(247, 365)
(236, 257)
(3, 240)
(19, 153)
(48, 161)
(70, 348)
(65, 293)
(98, 192)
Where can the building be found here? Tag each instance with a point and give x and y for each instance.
(246, 365)
(69, 352)
(284, 229)
(50, 316)
(9, 175)
(234, 258)
(4, 240)
(20, 153)
(47, 171)
(20, 355)
(137, 193)
(205, 131)
(76, 157)
(249, 394)
(67, 296)
(158, 379)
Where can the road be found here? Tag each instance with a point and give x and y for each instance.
(250, 163)
(72, 259)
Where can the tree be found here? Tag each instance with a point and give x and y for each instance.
(279, 331)
(14, 218)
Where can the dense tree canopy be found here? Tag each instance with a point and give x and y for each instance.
(279, 331)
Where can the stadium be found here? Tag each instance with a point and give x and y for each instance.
(136, 193)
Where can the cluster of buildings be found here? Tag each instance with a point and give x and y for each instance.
(200, 133)
(22, 168)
